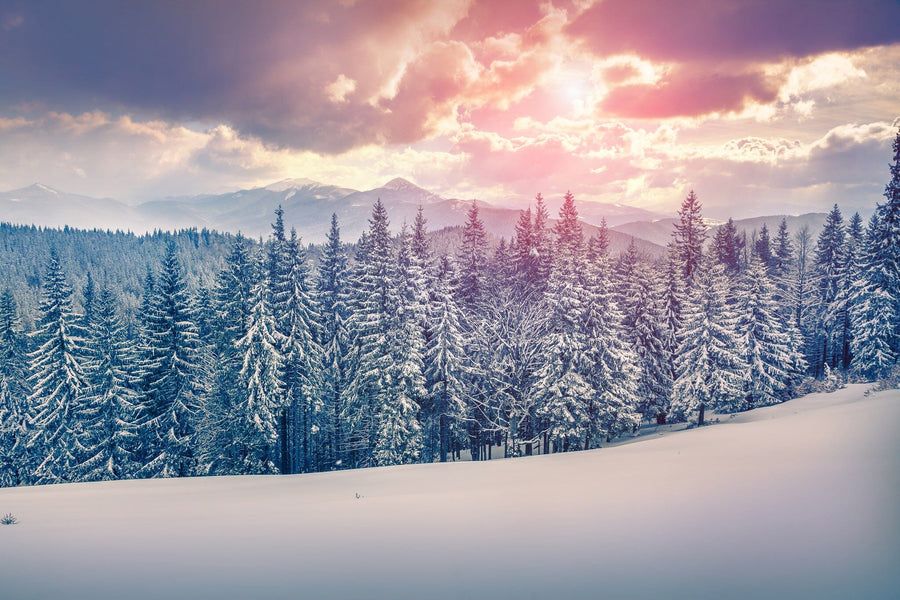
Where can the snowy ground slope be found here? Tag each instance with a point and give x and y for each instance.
(794, 501)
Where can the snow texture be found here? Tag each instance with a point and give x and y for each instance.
(797, 501)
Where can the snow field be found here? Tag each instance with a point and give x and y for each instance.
(798, 500)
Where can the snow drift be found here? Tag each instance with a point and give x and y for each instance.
(793, 501)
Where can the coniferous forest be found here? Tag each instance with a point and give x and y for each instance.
(198, 353)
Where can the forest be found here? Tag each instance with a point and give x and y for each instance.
(199, 353)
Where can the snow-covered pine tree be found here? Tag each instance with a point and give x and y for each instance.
(296, 307)
(57, 379)
(399, 436)
(372, 304)
(762, 248)
(472, 259)
(332, 294)
(849, 274)
(780, 271)
(688, 238)
(15, 464)
(875, 311)
(638, 298)
(801, 294)
(566, 395)
(828, 264)
(709, 367)
(765, 343)
(174, 380)
(232, 307)
(726, 248)
(107, 439)
(445, 360)
(612, 372)
(254, 419)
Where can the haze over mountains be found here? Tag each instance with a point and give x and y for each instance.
(308, 206)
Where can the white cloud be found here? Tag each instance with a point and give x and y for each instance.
(340, 88)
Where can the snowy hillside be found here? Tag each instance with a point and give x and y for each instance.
(792, 501)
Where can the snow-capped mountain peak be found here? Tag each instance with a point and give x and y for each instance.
(292, 184)
(399, 184)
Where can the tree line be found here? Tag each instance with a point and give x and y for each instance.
(387, 353)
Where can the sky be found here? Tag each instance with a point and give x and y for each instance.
(760, 106)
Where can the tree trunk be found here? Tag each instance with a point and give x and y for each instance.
(285, 450)
(702, 414)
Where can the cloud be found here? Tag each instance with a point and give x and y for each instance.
(683, 93)
(340, 88)
(734, 30)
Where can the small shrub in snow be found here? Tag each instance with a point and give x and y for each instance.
(8, 519)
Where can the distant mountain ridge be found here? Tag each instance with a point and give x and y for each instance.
(308, 206)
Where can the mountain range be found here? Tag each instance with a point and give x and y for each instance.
(308, 206)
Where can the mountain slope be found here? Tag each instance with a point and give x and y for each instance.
(791, 501)
(44, 206)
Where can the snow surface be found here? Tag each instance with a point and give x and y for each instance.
(798, 500)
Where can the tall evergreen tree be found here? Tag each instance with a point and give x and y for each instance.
(14, 391)
(332, 295)
(709, 366)
(254, 422)
(57, 379)
(373, 305)
(726, 248)
(689, 236)
(829, 261)
(875, 312)
(399, 436)
(174, 380)
(107, 440)
(472, 259)
(765, 342)
(445, 360)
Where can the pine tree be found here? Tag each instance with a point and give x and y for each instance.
(57, 379)
(689, 236)
(174, 378)
(710, 370)
(372, 306)
(107, 440)
(875, 312)
(764, 340)
(762, 248)
(445, 360)
(472, 259)
(332, 295)
(829, 260)
(14, 390)
(726, 248)
(638, 298)
(296, 307)
(254, 422)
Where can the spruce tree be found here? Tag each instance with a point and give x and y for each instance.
(374, 301)
(14, 391)
(708, 364)
(332, 293)
(763, 340)
(726, 248)
(828, 265)
(445, 361)
(689, 236)
(875, 313)
(254, 421)
(107, 441)
(174, 379)
(472, 259)
(57, 379)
